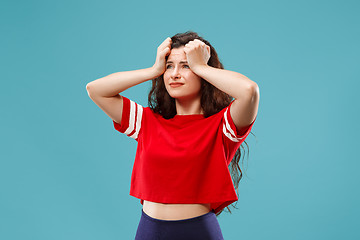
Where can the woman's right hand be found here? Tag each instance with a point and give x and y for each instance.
(162, 51)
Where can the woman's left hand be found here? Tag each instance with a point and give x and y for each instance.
(197, 54)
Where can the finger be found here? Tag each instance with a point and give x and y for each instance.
(199, 41)
(166, 42)
(166, 50)
(187, 47)
(196, 44)
(190, 46)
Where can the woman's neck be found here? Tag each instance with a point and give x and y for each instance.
(188, 107)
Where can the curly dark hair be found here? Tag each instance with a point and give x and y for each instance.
(213, 100)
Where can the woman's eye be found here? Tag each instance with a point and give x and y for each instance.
(185, 66)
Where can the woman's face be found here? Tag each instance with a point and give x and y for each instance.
(180, 81)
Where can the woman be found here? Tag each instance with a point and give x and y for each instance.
(187, 137)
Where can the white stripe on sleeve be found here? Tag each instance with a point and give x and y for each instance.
(131, 118)
(138, 121)
(228, 130)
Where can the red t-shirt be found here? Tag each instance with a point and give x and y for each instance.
(183, 159)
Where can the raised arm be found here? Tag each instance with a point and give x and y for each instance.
(105, 91)
(116, 83)
(245, 91)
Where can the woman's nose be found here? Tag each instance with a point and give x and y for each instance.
(175, 73)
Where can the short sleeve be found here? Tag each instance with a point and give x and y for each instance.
(232, 138)
(130, 119)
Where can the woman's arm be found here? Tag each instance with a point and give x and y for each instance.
(233, 83)
(245, 91)
(116, 83)
(105, 91)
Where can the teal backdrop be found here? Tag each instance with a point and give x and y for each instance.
(65, 171)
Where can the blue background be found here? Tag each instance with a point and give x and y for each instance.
(65, 171)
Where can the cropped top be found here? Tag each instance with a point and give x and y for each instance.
(183, 159)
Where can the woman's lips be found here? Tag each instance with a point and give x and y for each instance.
(176, 84)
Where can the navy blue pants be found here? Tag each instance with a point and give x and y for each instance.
(204, 227)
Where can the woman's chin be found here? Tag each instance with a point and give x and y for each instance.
(175, 94)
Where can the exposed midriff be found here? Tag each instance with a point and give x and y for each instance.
(166, 211)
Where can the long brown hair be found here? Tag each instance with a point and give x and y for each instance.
(212, 100)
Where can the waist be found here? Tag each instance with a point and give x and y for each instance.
(167, 211)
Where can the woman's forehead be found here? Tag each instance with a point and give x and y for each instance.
(177, 54)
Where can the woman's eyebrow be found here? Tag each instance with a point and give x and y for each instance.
(180, 62)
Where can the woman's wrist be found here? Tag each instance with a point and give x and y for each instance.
(155, 72)
(200, 70)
